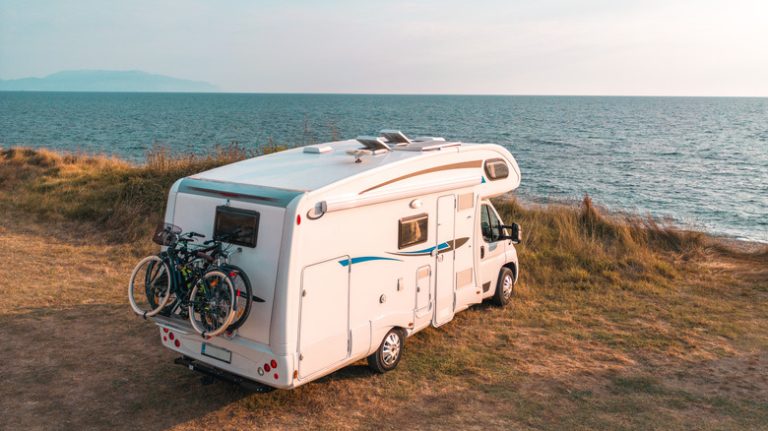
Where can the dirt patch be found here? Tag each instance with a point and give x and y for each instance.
(687, 350)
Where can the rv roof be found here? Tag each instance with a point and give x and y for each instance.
(301, 170)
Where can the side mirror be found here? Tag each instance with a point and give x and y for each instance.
(517, 233)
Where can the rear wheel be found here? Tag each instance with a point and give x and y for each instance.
(387, 356)
(243, 295)
(504, 287)
(212, 304)
(149, 287)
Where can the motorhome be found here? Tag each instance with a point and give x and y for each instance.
(355, 246)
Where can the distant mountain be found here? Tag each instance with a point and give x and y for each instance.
(105, 80)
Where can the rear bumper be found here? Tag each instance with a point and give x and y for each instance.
(220, 374)
(244, 359)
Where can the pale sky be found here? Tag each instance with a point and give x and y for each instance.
(600, 47)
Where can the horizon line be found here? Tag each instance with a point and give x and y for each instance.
(320, 93)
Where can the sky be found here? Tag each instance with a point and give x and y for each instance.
(566, 47)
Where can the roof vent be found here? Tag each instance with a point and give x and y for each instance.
(428, 138)
(318, 149)
(372, 146)
(373, 143)
(395, 136)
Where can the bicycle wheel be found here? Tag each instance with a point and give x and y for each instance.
(212, 304)
(243, 294)
(149, 287)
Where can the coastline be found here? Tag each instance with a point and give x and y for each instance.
(165, 164)
(616, 322)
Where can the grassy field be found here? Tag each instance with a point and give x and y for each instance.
(617, 323)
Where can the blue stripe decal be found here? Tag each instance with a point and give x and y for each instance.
(362, 259)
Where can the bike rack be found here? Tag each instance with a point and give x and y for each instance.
(226, 376)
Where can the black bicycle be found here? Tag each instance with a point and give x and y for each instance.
(184, 280)
(219, 253)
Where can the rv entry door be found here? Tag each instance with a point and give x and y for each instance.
(444, 254)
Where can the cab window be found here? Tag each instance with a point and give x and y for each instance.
(489, 224)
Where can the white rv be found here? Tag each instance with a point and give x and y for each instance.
(358, 245)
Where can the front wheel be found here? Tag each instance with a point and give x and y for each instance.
(149, 287)
(212, 304)
(387, 356)
(504, 287)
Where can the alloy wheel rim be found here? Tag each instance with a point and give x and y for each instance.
(391, 350)
(507, 286)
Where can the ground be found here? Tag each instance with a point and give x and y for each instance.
(617, 322)
(692, 354)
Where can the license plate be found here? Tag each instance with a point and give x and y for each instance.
(216, 353)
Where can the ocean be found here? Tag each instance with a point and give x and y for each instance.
(702, 162)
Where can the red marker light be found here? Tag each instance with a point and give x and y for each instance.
(177, 343)
(266, 367)
(276, 376)
(171, 336)
(298, 219)
(165, 338)
(165, 330)
(274, 364)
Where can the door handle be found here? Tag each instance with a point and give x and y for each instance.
(440, 258)
(482, 251)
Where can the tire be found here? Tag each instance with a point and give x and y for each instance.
(505, 287)
(212, 304)
(149, 287)
(388, 355)
(243, 295)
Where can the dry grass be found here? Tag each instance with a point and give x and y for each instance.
(619, 322)
(120, 199)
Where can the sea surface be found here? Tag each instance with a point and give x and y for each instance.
(702, 162)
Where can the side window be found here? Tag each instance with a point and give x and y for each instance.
(496, 169)
(489, 224)
(412, 230)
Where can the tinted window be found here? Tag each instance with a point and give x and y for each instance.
(412, 230)
(496, 169)
(236, 226)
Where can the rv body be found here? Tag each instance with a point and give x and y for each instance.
(348, 247)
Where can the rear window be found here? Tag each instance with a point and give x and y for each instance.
(236, 226)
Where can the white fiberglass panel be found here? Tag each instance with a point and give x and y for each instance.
(197, 213)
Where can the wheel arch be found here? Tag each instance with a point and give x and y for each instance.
(512, 266)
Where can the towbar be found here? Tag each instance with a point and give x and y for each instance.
(222, 375)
